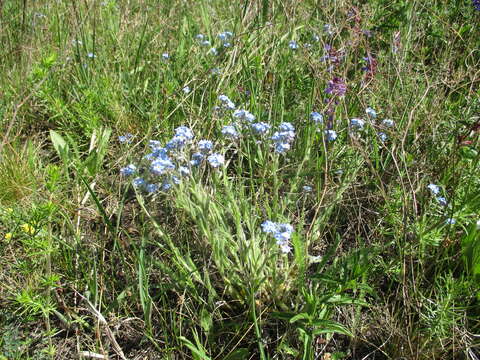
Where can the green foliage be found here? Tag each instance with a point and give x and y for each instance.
(377, 267)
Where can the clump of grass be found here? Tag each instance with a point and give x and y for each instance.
(21, 171)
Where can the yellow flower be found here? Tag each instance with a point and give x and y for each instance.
(8, 236)
(29, 229)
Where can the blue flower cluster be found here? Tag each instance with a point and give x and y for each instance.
(435, 190)
(127, 138)
(476, 4)
(245, 122)
(316, 117)
(292, 44)
(283, 138)
(442, 201)
(224, 37)
(165, 166)
(281, 232)
(357, 124)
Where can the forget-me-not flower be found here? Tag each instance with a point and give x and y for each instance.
(357, 124)
(435, 189)
(316, 117)
(216, 160)
(127, 138)
(371, 112)
(205, 146)
(151, 188)
(230, 132)
(128, 170)
(382, 136)
(197, 159)
(331, 135)
(260, 128)
(388, 123)
(293, 45)
(244, 115)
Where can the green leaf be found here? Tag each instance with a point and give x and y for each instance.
(205, 320)
(282, 315)
(59, 144)
(329, 327)
(197, 351)
(301, 316)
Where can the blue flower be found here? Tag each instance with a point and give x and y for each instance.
(225, 36)
(293, 45)
(138, 181)
(229, 131)
(285, 247)
(184, 131)
(357, 124)
(316, 117)
(382, 136)
(161, 166)
(151, 188)
(450, 221)
(176, 143)
(154, 144)
(216, 160)
(331, 135)
(157, 153)
(388, 123)
(186, 90)
(165, 56)
(226, 102)
(244, 115)
(205, 146)
(282, 147)
(476, 4)
(370, 112)
(200, 37)
(307, 189)
(128, 170)
(166, 185)
(283, 136)
(127, 138)
(197, 159)
(286, 127)
(91, 55)
(212, 51)
(260, 128)
(442, 201)
(435, 189)
(183, 170)
(281, 232)
(328, 28)
(269, 227)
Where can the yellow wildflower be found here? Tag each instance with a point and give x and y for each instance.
(8, 236)
(29, 229)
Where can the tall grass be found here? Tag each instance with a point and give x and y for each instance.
(376, 265)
